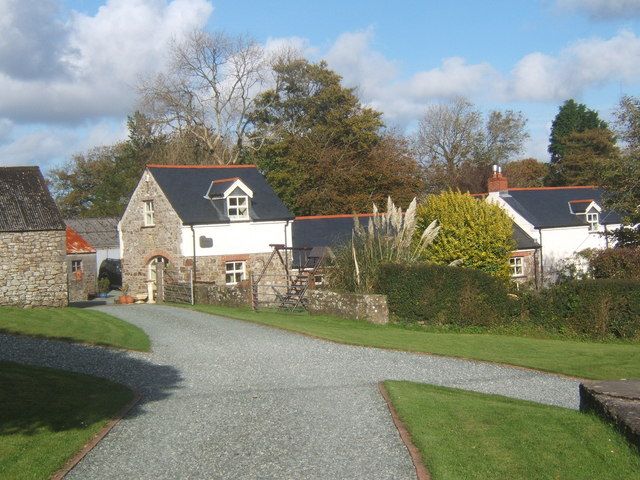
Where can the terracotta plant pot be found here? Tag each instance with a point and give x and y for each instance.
(125, 299)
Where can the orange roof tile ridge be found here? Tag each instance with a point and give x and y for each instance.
(153, 165)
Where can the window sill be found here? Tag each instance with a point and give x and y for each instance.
(148, 226)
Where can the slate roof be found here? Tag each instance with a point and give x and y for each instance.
(523, 240)
(324, 231)
(77, 244)
(25, 201)
(549, 207)
(186, 186)
(99, 232)
(331, 230)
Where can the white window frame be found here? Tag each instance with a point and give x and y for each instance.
(516, 264)
(149, 213)
(235, 207)
(593, 219)
(237, 271)
(76, 266)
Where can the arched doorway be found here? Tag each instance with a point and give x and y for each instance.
(157, 262)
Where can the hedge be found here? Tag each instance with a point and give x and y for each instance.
(444, 295)
(437, 295)
(598, 309)
(623, 263)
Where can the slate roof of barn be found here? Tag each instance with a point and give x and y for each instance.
(99, 232)
(25, 201)
(332, 230)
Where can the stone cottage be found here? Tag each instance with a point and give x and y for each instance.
(33, 271)
(81, 267)
(215, 224)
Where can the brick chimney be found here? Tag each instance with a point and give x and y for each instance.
(497, 183)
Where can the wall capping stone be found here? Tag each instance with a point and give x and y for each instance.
(370, 307)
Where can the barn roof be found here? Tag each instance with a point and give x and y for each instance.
(76, 243)
(25, 201)
(99, 232)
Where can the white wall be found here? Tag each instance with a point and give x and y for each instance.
(562, 244)
(104, 253)
(236, 238)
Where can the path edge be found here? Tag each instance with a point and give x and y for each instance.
(422, 473)
(97, 438)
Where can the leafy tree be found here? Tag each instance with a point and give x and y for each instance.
(622, 181)
(572, 117)
(476, 232)
(527, 172)
(588, 156)
(321, 150)
(457, 146)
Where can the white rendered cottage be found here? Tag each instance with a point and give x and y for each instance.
(564, 221)
(214, 223)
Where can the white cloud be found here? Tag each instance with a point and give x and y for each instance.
(33, 40)
(537, 77)
(602, 9)
(6, 127)
(379, 84)
(585, 64)
(53, 145)
(98, 59)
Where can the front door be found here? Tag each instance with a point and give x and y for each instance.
(152, 276)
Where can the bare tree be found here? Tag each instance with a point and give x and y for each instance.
(208, 92)
(455, 144)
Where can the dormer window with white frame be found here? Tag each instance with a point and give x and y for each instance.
(236, 195)
(149, 212)
(593, 219)
(238, 207)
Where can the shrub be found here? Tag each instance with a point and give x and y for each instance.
(478, 233)
(596, 309)
(444, 295)
(389, 237)
(623, 263)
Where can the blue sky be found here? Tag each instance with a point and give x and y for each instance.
(68, 68)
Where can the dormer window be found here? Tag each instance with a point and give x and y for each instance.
(235, 194)
(593, 219)
(238, 207)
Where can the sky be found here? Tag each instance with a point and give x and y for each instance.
(69, 68)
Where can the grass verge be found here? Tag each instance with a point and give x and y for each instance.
(575, 358)
(470, 435)
(74, 324)
(46, 416)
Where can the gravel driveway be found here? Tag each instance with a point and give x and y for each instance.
(228, 399)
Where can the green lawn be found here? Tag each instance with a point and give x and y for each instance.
(575, 358)
(467, 435)
(46, 416)
(74, 324)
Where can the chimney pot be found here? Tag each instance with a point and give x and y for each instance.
(497, 183)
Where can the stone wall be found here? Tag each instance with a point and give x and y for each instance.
(530, 262)
(372, 308)
(228, 296)
(140, 243)
(33, 271)
(82, 285)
